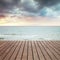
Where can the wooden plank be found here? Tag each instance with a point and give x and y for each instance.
(41, 56)
(13, 57)
(7, 51)
(11, 52)
(24, 57)
(49, 51)
(30, 57)
(2, 42)
(53, 51)
(5, 48)
(44, 52)
(30, 50)
(54, 47)
(35, 56)
(19, 56)
(57, 42)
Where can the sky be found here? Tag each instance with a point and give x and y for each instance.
(30, 12)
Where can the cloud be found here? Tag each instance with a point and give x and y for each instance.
(48, 2)
(29, 21)
(6, 5)
(31, 7)
(53, 11)
(22, 12)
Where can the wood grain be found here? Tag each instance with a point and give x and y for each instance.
(29, 50)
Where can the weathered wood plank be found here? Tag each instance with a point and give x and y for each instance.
(29, 50)
(19, 56)
(41, 56)
(30, 57)
(49, 52)
(7, 51)
(5, 48)
(13, 57)
(35, 55)
(24, 57)
(44, 51)
(11, 52)
(53, 51)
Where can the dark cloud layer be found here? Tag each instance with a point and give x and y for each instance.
(5, 4)
(48, 2)
(30, 7)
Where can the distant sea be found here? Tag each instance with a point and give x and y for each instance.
(29, 33)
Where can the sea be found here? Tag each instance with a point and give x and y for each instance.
(30, 33)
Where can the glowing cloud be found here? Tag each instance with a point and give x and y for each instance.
(29, 21)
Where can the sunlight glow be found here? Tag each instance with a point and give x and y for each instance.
(29, 21)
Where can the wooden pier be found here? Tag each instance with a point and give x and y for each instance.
(29, 50)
